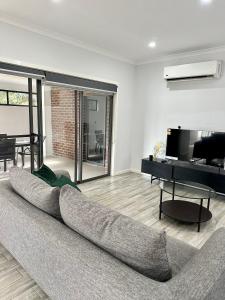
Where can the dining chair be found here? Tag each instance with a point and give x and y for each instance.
(99, 141)
(3, 136)
(27, 151)
(7, 151)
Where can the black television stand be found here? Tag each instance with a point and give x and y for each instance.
(211, 176)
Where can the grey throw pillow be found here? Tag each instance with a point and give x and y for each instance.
(35, 190)
(132, 242)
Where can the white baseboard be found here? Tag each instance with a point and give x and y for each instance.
(135, 171)
(121, 172)
(129, 170)
(139, 172)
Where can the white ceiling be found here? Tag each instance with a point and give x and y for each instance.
(123, 28)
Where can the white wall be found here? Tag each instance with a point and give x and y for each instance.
(34, 49)
(158, 105)
(14, 120)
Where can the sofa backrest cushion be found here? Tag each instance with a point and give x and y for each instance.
(36, 191)
(132, 242)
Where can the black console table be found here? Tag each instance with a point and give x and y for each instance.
(210, 176)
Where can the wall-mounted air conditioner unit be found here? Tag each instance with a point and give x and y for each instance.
(208, 69)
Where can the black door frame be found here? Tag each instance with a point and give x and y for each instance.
(36, 139)
(40, 122)
(31, 123)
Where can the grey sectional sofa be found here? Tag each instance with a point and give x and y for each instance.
(67, 266)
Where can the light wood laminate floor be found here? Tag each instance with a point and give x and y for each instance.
(131, 194)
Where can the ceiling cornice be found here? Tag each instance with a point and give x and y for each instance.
(164, 58)
(60, 37)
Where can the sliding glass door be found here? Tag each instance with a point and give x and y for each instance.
(94, 135)
(78, 130)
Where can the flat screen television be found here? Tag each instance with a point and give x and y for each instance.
(207, 147)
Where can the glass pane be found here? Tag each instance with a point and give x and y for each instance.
(3, 97)
(59, 116)
(96, 129)
(18, 98)
(34, 100)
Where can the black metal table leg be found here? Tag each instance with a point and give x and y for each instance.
(208, 203)
(160, 204)
(200, 215)
(22, 150)
(173, 190)
(5, 165)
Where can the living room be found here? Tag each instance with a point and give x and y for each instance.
(108, 225)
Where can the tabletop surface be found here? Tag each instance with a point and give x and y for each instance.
(188, 189)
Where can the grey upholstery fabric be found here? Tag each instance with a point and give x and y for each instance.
(179, 253)
(203, 277)
(35, 190)
(132, 242)
(63, 263)
(59, 173)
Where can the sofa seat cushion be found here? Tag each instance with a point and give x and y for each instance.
(36, 191)
(132, 242)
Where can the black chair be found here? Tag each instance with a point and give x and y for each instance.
(99, 141)
(7, 151)
(3, 136)
(27, 151)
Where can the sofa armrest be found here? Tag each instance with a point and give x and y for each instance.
(203, 277)
(58, 173)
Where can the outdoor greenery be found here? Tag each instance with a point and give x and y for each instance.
(16, 98)
(3, 97)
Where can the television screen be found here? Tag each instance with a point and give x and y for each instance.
(196, 145)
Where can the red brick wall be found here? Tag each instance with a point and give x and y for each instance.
(63, 121)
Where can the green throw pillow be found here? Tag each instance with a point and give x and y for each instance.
(63, 180)
(46, 174)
